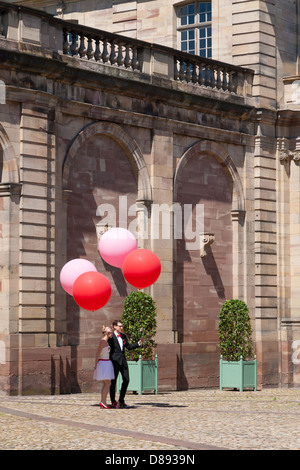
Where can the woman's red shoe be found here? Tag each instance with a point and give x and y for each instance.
(103, 406)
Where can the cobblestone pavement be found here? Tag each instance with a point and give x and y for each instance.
(187, 420)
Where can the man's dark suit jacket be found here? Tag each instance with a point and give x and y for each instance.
(116, 354)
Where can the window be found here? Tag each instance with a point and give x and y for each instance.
(194, 28)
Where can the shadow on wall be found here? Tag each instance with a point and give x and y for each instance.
(211, 269)
(182, 383)
(63, 379)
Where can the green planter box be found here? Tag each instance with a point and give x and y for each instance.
(238, 374)
(143, 376)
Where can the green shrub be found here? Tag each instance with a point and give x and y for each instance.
(234, 331)
(139, 321)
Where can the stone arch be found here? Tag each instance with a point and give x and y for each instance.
(9, 169)
(128, 144)
(218, 152)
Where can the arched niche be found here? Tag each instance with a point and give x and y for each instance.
(220, 154)
(205, 278)
(128, 144)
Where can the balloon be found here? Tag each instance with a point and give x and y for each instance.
(141, 268)
(91, 290)
(72, 270)
(115, 245)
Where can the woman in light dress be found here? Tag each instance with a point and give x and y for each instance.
(104, 371)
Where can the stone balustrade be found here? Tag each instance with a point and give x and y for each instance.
(100, 46)
(71, 39)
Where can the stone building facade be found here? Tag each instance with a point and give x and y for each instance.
(100, 108)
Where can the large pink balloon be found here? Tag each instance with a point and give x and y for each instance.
(72, 270)
(115, 245)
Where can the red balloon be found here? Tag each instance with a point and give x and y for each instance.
(91, 290)
(141, 268)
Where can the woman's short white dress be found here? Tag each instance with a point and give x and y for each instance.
(105, 368)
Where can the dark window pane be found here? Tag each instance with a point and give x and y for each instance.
(202, 7)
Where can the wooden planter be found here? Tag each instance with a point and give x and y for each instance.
(238, 374)
(143, 376)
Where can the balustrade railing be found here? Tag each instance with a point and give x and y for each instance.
(100, 46)
(123, 52)
(111, 49)
(207, 73)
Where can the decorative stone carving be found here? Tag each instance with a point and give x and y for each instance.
(285, 154)
(282, 148)
(295, 155)
(206, 239)
(101, 229)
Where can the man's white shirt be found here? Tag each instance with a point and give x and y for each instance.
(120, 341)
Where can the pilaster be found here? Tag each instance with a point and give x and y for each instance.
(288, 157)
(161, 177)
(254, 46)
(37, 215)
(265, 207)
(9, 286)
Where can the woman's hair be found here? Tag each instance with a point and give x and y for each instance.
(105, 328)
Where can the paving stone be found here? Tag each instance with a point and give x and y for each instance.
(171, 421)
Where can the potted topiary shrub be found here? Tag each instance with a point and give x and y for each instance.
(139, 321)
(238, 367)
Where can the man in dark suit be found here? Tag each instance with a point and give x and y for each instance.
(118, 342)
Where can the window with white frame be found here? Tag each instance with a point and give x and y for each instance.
(194, 28)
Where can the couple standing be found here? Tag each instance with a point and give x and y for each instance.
(110, 360)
